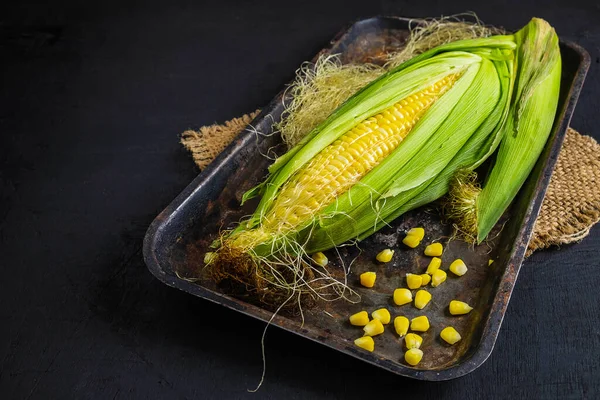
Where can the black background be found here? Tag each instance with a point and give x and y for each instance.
(93, 96)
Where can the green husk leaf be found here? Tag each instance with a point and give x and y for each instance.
(529, 124)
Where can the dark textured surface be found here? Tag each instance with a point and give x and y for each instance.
(92, 98)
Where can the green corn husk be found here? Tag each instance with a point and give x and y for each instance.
(532, 113)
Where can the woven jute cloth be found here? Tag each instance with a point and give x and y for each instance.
(571, 206)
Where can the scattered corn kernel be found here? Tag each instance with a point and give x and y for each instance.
(458, 267)
(359, 319)
(373, 328)
(459, 307)
(419, 324)
(320, 259)
(426, 279)
(434, 265)
(385, 255)
(414, 237)
(413, 356)
(365, 342)
(419, 233)
(414, 281)
(383, 315)
(411, 241)
(402, 296)
(422, 298)
(413, 341)
(450, 335)
(209, 257)
(401, 325)
(490, 262)
(367, 279)
(434, 249)
(438, 277)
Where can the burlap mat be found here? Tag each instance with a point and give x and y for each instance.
(570, 208)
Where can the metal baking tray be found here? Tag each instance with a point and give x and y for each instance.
(177, 240)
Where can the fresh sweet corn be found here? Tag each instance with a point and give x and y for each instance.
(359, 319)
(419, 324)
(459, 307)
(414, 281)
(413, 356)
(411, 241)
(385, 255)
(365, 342)
(383, 315)
(419, 233)
(413, 341)
(367, 279)
(402, 296)
(320, 259)
(414, 237)
(422, 298)
(401, 325)
(354, 172)
(426, 279)
(438, 277)
(450, 335)
(434, 250)
(434, 265)
(458, 267)
(373, 328)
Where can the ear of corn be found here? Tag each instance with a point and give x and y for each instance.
(375, 98)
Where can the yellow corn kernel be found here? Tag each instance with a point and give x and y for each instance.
(385, 255)
(450, 335)
(426, 279)
(422, 298)
(413, 281)
(413, 341)
(367, 279)
(459, 307)
(320, 259)
(438, 278)
(401, 325)
(413, 356)
(411, 241)
(458, 267)
(365, 342)
(434, 249)
(419, 233)
(434, 265)
(402, 296)
(373, 328)
(383, 315)
(419, 324)
(490, 262)
(359, 319)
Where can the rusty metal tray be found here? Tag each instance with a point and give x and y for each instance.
(177, 240)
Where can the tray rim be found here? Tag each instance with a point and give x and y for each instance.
(507, 280)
